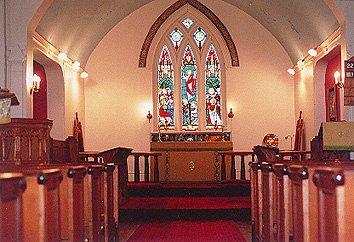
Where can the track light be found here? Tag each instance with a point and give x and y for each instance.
(291, 71)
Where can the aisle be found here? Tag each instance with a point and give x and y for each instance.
(225, 230)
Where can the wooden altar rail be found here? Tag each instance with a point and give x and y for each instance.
(84, 210)
(234, 154)
(288, 203)
(147, 156)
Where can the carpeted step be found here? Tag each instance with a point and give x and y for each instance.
(136, 215)
(226, 189)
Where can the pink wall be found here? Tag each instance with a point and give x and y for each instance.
(118, 94)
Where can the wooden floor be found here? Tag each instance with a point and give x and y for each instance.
(125, 230)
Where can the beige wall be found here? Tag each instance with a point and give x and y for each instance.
(118, 94)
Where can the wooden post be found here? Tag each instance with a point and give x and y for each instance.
(156, 167)
(146, 170)
(243, 170)
(233, 168)
(223, 168)
(136, 168)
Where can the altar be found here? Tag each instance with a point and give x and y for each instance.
(190, 159)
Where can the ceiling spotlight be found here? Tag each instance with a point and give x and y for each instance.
(312, 52)
(84, 74)
(300, 62)
(76, 65)
(291, 71)
(62, 56)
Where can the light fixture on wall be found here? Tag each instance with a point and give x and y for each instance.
(36, 80)
(338, 80)
(149, 116)
(84, 74)
(230, 114)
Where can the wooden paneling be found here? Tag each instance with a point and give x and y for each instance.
(190, 161)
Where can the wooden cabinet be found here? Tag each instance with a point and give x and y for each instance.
(190, 161)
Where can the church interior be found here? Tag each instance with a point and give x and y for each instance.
(210, 120)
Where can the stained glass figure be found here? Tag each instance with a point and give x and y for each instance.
(200, 37)
(165, 89)
(187, 23)
(176, 37)
(189, 90)
(212, 89)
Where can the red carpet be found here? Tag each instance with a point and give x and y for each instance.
(187, 203)
(188, 231)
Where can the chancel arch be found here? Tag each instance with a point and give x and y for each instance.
(200, 8)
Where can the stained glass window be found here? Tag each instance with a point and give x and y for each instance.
(189, 90)
(200, 37)
(212, 89)
(176, 37)
(165, 89)
(187, 23)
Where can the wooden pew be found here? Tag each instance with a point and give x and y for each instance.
(255, 204)
(335, 203)
(110, 221)
(69, 213)
(281, 200)
(41, 205)
(94, 204)
(12, 186)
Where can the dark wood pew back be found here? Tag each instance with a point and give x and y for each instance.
(12, 185)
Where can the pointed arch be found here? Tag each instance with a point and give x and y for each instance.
(166, 89)
(204, 10)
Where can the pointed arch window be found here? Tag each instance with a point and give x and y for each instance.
(166, 89)
(189, 83)
(189, 90)
(212, 89)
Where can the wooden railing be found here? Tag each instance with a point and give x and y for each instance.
(148, 156)
(234, 154)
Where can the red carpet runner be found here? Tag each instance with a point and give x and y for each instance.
(188, 231)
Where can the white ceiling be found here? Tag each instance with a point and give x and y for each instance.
(77, 26)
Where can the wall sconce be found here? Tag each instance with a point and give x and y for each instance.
(338, 80)
(230, 114)
(149, 116)
(36, 80)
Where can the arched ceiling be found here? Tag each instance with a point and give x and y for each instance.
(76, 27)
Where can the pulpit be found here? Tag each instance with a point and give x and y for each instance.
(185, 160)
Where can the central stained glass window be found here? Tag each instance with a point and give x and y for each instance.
(198, 104)
(189, 90)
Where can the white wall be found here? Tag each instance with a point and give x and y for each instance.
(118, 93)
(19, 15)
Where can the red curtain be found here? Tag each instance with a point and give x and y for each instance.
(40, 97)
